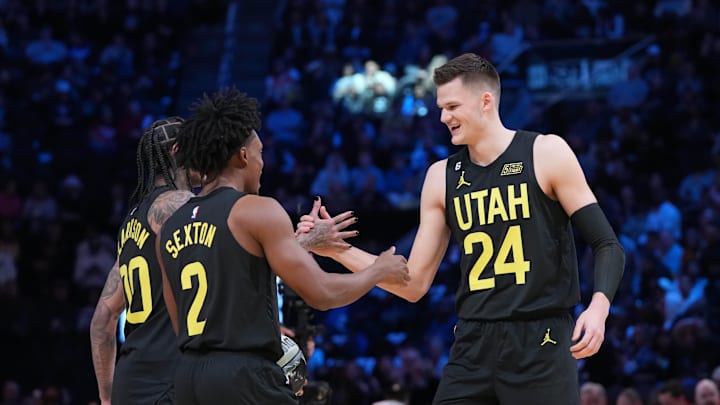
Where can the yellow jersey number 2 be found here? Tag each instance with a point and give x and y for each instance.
(195, 270)
(139, 265)
(511, 243)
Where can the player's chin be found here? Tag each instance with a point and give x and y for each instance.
(458, 140)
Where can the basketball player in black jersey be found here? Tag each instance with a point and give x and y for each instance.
(143, 373)
(144, 370)
(508, 198)
(220, 253)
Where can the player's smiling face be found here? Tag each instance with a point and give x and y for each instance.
(461, 108)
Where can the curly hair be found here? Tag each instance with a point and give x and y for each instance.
(153, 157)
(221, 124)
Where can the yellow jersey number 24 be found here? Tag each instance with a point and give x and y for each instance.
(512, 243)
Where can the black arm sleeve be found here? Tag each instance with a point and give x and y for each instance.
(608, 254)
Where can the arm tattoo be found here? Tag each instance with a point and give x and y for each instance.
(111, 284)
(104, 346)
(165, 205)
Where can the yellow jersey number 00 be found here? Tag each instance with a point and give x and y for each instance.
(140, 265)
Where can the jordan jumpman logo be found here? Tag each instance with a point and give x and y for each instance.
(462, 181)
(547, 338)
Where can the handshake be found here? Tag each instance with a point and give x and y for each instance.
(325, 235)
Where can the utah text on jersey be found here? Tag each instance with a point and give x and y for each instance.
(506, 203)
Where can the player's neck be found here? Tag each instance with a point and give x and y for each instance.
(181, 182)
(493, 141)
(232, 180)
(160, 181)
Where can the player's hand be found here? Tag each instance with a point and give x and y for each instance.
(301, 392)
(394, 267)
(284, 330)
(307, 221)
(589, 330)
(322, 234)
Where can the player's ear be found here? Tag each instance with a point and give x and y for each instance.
(241, 157)
(488, 100)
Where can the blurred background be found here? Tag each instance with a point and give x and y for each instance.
(349, 114)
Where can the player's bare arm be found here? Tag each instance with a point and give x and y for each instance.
(560, 174)
(561, 177)
(168, 296)
(431, 240)
(263, 228)
(164, 206)
(327, 234)
(103, 328)
(160, 210)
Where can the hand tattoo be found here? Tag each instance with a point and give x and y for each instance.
(321, 236)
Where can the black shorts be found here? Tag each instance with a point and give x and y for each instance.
(237, 378)
(142, 382)
(511, 363)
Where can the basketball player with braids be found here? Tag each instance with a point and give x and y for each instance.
(143, 373)
(144, 369)
(509, 199)
(220, 254)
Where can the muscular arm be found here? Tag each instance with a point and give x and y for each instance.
(429, 247)
(160, 210)
(262, 227)
(561, 177)
(168, 296)
(103, 328)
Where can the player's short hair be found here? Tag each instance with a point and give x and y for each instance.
(470, 68)
(153, 156)
(221, 123)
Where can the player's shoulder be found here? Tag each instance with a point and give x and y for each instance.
(165, 205)
(550, 141)
(551, 146)
(257, 206)
(438, 166)
(175, 197)
(258, 212)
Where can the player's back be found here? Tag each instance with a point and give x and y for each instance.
(148, 332)
(226, 297)
(519, 257)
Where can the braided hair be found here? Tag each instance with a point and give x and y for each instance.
(221, 124)
(153, 157)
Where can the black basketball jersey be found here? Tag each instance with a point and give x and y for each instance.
(518, 252)
(226, 297)
(147, 324)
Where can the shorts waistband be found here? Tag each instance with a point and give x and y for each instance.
(534, 316)
(225, 353)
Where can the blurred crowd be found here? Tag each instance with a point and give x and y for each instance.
(349, 114)
(79, 79)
